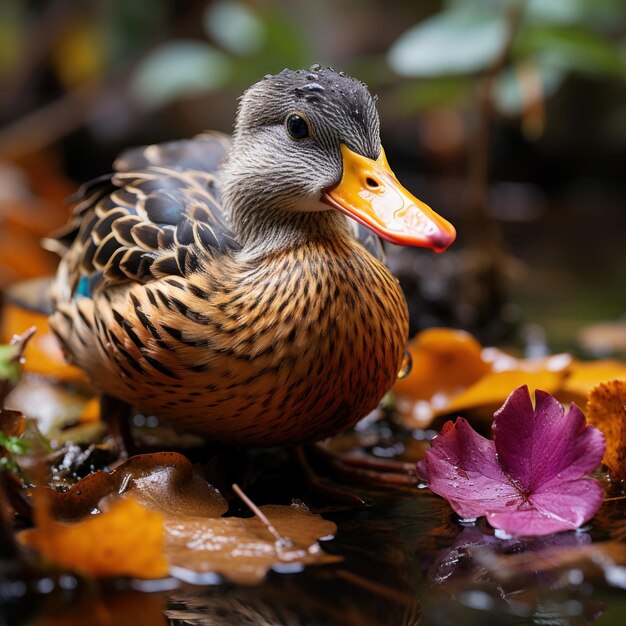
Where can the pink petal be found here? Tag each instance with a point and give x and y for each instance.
(462, 467)
(565, 506)
(529, 480)
(536, 445)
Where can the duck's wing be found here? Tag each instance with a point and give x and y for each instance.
(156, 215)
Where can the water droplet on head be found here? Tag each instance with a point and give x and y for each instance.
(406, 365)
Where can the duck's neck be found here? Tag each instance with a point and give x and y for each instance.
(264, 230)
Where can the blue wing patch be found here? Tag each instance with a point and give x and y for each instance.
(84, 288)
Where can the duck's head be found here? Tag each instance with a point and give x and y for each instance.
(308, 141)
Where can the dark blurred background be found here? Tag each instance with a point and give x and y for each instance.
(508, 117)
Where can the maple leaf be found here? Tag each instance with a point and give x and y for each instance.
(606, 408)
(530, 479)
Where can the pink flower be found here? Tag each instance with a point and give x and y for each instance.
(528, 480)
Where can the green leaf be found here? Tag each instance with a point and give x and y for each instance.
(555, 11)
(508, 96)
(13, 33)
(570, 49)
(603, 14)
(235, 27)
(462, 40)
(176, 69)
(10, 367)
(13, 445)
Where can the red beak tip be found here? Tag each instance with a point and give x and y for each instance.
(442, 241)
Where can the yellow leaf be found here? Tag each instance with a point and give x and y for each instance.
(606, 410)
(584, 376)
(493, 389)
(125, 540)
(78, 54)
(91, 411)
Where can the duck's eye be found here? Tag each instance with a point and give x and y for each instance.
(297, 127)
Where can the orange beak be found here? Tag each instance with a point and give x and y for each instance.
(370, 193)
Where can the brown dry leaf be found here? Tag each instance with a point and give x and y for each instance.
(124, 540)
(606, 410)
(198, 540)
(12, 423)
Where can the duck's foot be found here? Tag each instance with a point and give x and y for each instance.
(315, 460)
(116, 414)
(365, 469)
(317, 485)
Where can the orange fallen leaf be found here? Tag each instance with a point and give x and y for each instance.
(91, 411)
(453, 373)
(125, 540)
(444, 362)
(43, 354)
(606, 410)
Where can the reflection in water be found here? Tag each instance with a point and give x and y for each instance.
(481, 575)
(406, 561)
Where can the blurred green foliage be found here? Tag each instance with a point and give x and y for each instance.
(555, 37)
(240, 40)
(175, 50)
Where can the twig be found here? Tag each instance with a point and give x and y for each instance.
(50, 123)
(478, 167)
(271, 529)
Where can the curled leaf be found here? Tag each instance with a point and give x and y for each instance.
(530, 479)
(606, 410)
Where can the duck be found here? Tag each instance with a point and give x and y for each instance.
(236, 287)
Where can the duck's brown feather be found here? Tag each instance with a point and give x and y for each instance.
(294, 347)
